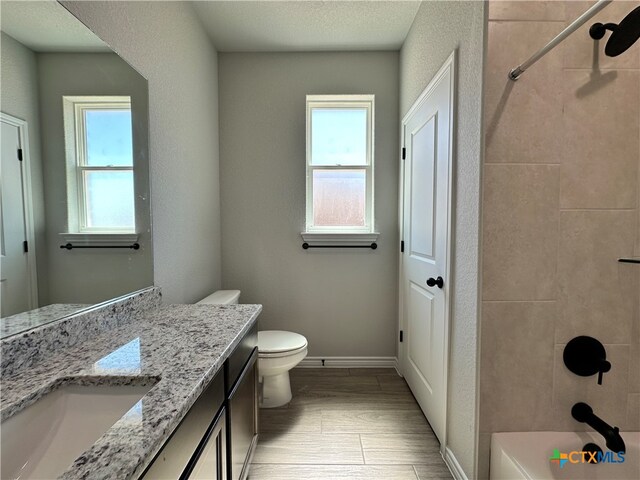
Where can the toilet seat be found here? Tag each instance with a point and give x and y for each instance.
(279, 343)
(288, 353)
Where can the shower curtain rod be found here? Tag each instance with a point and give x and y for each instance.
(515, 73)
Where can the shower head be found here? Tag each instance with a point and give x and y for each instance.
(623, 35)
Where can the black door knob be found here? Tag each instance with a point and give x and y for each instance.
(432, 282)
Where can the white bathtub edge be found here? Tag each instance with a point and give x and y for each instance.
(526, 455)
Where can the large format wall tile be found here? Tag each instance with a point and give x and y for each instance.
(484, 455)
(581, 51)
(637, 245)
(609, 400)
(527, 11)
(601, 145)
(516, 374)
(523, 119)
(598, 295)
(634, 348)
(633, 412)
(520, 232)
(558, 233)
(636, 249)
(634, 366)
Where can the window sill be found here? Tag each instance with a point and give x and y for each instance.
(325, 239)
(103, 239)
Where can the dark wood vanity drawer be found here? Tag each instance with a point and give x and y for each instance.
(177, 454)
(240, 356)
(242, 423)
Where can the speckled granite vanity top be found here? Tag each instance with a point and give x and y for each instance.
(177, 348)
(40, 316)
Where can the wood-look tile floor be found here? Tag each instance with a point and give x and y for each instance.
(347, 424)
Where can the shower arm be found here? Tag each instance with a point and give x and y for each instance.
(515, 73)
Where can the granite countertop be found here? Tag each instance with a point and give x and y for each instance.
(40, 316)
(176, 348)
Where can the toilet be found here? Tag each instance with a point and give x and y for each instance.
(222, 297)
(278, 352)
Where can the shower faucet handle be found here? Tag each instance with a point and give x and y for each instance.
(586, 356)
(605, 366)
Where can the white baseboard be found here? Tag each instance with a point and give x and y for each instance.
(452, 462)
(349, 362)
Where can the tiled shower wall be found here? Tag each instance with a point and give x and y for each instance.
(560, 206)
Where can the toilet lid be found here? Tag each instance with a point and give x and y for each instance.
(275, 341)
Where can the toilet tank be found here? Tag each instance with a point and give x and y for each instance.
(222, 297)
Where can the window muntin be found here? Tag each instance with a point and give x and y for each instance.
(100, 178)
(340, 163)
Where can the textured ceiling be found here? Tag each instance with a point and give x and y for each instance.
(46, 26)
(259, 26)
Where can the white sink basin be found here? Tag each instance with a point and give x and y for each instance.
(44, 439)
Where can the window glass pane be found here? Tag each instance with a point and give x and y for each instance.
(109, 199)
(339, 198)
(108, 137)
(339, 136)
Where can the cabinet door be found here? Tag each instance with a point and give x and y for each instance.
(243, 414)
(179, 452)
(212, 462)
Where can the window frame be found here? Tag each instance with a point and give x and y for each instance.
(76, 150)
(342, 102)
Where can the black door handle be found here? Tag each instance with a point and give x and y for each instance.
(432, 282)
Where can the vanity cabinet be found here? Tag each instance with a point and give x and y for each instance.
(212, 461)
(217, 437)
(243, 419)
(199, 441)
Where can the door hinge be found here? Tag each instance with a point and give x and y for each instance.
(25, 246)
(404, 153)
(401, 335)
(20, 154)
(401, 246)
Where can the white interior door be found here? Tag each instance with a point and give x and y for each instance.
(427, 138)
(15, 282)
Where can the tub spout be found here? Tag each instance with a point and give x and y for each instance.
(584, 413)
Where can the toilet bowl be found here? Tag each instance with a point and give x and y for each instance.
(278, 352)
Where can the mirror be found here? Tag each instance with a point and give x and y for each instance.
(75, 212)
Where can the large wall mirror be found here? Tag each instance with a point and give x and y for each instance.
(75, 212)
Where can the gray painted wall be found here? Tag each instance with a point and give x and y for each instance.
(19, 80)
(343, 301)
(90, 276)
(165, 42)
(439, 28)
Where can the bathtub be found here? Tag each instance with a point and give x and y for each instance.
(526, 455)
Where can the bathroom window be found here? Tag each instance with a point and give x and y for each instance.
(100, 177)
(340, 164)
